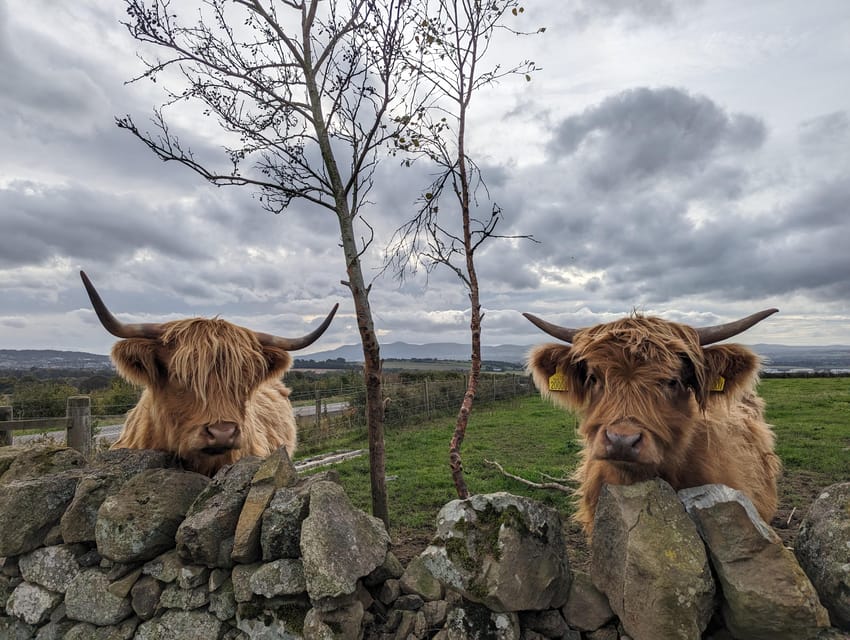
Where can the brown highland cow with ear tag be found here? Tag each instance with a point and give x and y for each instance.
(655, 400)
(212, 390)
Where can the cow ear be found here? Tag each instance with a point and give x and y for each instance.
(138, 361)
(730, 371)
(278, 361)
(555, 375)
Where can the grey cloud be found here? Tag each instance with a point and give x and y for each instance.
(41, 222)
(826, 131)
(649, 134)
(632, 13)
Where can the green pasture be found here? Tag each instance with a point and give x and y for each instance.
(811, 418)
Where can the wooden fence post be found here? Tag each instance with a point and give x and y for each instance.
(5, 436)
(78, 433)
(318, 408)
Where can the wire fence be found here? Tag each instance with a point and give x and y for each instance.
(326, 414)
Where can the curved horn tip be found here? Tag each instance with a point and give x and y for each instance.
(567, 334)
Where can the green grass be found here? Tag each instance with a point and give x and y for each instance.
(527, 436)
(811, 418)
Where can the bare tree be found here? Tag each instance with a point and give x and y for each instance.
(453, 38)
(303, 88)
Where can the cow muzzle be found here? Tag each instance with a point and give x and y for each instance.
(220, 438)
(623, 447)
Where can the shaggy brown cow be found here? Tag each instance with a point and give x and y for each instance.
(212, 389)
(654, 402)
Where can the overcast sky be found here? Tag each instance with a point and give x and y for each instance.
(685, 158)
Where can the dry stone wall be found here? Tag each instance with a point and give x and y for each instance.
(131, 547)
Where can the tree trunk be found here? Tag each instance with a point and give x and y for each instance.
(362, 309)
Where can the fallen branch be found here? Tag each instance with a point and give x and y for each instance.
(537, 485)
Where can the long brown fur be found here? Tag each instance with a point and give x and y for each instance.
(649, 376)
(202, 372)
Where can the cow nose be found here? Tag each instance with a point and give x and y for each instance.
(622, 446)
(222, 434)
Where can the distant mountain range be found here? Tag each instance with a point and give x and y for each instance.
(776, 356)
(52, 359)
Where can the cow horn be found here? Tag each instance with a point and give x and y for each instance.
(562, 333)
(112, 324)
(707, 335)
(294, 344)
(710, 335)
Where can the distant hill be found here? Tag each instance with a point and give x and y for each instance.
(21, 359)
(776, 356)
(432, 351)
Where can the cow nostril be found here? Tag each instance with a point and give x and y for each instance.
(221, 433)
(622, 440)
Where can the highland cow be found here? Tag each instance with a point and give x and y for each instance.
(654, 400)
(212, 390)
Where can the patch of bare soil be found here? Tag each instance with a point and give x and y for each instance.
(797, 490)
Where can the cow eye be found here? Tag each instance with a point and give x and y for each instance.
(673, 384)
(591, 380)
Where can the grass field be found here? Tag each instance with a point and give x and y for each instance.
(811, 418)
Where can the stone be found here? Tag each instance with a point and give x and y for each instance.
(55, 630)
(339, 544)
(272, 618)
(36, 462)
(51, 567)
(175, 623)
(166, 567)
(8, 455)
(140, 521)
(205, 537)
(391, 569)
(822, 547)
(121, 587)
(587, 608)
(173, 597)
(275, 472)
(644, 542)
(345, 623)
(223, 602)
(279, 577)
(108, 472)
(14, 629)
(435, 612)
(88, 599)
(410, 602)
(144, 597)
(32, 603)
(549, 623)
(241, 579)
(503, 551)
(6, 588)
(37, 504)
(472, 621)
(390, 591)
(193, 576)
(86, 631)
(766, 594)
(280, 535)
(419, 580)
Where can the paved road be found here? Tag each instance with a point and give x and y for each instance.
(110, 432)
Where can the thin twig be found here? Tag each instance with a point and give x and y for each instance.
(790, 515)
(537, 485)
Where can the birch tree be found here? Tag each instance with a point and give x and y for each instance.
(454, 215)
(302, 90)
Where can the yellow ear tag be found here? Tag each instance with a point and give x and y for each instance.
(719, 384)
(557, 382)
